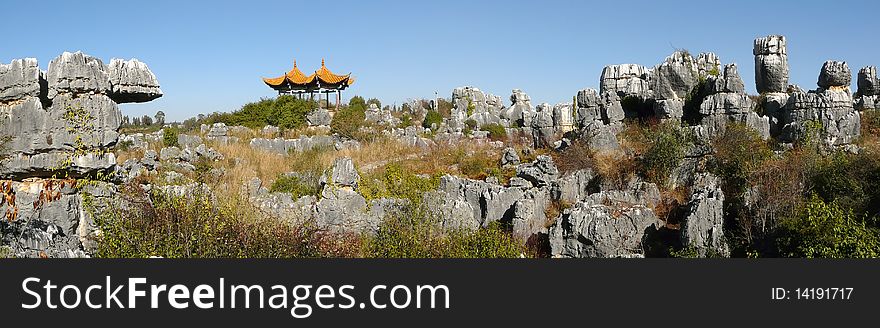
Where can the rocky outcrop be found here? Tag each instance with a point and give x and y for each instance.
(675, 77)
(829, 112)
(132, 81)
(703, 226)
(541, 173)
(509, 157)
(63, 120)
(20, 79)
(834, 74)
(771, 64)
(626, 80)
(727, 102)
(520, 112)
(319, 117)
(285, 146)
(48, 218)
(591, 229)
(868, 93)
(469, 101)
(341, 208)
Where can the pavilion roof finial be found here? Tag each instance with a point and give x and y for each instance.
(294, 63)
(322, 62)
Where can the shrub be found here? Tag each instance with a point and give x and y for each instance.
(169, 137)
(578, 156)
(825, 230)
(496, 131)
(395, 181)
(285, 111)
(296, 185)
(418, 236)
(739, 152)
(852, 181)
(431, 118)
(194, 226)
(347, 122)
(471, 123)
(667, 146)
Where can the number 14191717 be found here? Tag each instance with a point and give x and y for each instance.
(827, 293)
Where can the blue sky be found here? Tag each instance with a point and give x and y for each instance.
(209, 56)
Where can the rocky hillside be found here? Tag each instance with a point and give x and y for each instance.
(670, 160)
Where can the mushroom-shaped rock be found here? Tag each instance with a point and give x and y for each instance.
(834, 74)
(132, 82)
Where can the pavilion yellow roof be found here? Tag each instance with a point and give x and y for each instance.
(295, 77)
(326, 76)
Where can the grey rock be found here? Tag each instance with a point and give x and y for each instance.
(728, 81)
(77, 73)
(19, 79)
(132, 81)
(509, 157)
(868, 83)
(170, 154)
(342, 175)
(771, 64)
(61, 227)
(669, 108)
(595, 230)
(834, 74)
(318, 117)
(188, 141)
(42, 141)
(841, 123)
(626, 80)
(218, 130)
(563, 117)
(675, 77)
(703, 225)
(542, 172)
(574, 186)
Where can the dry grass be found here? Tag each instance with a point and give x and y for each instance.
(615, 168)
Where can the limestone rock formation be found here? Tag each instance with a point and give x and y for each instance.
(20, 79)
(318, 117)
(727, 102)
(868, 93)
(703, 225)
(675, 77)
(132, 81)
(591, 229)
(626, 80)
(77, 73)
(838, 121)
(542, 172)
(834, 74)
(771, 64)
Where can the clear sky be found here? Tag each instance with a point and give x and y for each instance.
(209, 56)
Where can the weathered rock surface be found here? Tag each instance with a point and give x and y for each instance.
(771, 64)
(626, 80)
(58, 227)
(868, 83)
(703, 225)
(319, 117)
(840, 122)
(591, 229)
(834, 74)
(727, 102)
(20, 79)
(132, 81)
(542, 172)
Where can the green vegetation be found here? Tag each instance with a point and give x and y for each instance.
(824, 230)
(739, 152)
(431, 118)
(662, 147)
(420, 237)
(169, 137)
(395, 181)
(295, 185)
(195, 226)
(349, 120)
(496, 131)
(285, 111)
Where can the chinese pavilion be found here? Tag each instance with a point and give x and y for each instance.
(321, 81)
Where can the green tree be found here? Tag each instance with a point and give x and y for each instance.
(825, 230)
